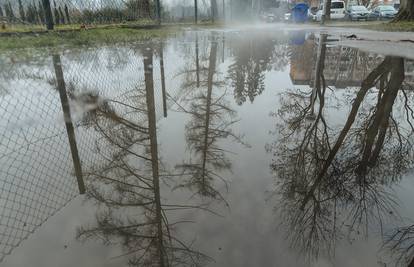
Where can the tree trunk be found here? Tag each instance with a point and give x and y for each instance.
(197, 61)
(367, 84)
(328, 9)
(211, 70)
(214, 10)
(406, 11)
(158, 11)
(326, 15)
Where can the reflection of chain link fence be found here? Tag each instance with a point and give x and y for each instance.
(36, 168)
(39, 152)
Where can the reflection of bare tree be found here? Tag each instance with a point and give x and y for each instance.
(378, 123)
(401, 242)
(127, 186)
(304, 144)
(211, 120)
(195, 69)
(327, 186)
(252, 59)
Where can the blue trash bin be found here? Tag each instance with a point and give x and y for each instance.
(300, 13)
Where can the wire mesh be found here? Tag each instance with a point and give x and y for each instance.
(75, 12)
(35, 15)
(37, 175)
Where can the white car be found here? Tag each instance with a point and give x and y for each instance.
(288, 16)
(337, 10)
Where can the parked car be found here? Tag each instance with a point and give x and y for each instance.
(288, 16)
(337, 10)
(357, 13)
(268, 17)
(311, 15)
(383, 12)
(397, 7)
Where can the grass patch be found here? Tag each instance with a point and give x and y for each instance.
(30, 28)
(401, 26)
(72, 35)
(84, 37)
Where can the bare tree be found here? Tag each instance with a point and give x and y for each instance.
(214, 10)
(406, 11)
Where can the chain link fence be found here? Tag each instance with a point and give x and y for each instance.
(23, 15)
(37, 15)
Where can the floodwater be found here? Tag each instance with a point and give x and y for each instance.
(207, 148)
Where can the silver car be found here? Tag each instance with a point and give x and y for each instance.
(383, 12)
(357, 13)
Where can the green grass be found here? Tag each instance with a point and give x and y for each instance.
(23, 28)
(83, 37)
(72, 35)
(402, 26)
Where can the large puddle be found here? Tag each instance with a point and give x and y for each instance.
(216, 148)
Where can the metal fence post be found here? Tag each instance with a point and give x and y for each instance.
(152, 128)
(158, 11)
(224, 10)
(48, 14)
(68, 122)
(195, 11)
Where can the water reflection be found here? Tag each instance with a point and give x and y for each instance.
(400, 242)
(61, 86)
(127, 187)
(345, 67)
(342, 142)
(211, 121)
(335, 180)
(252, 59)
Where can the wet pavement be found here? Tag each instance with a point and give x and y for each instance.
(255, 147)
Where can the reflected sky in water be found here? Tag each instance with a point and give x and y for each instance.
(207, 148)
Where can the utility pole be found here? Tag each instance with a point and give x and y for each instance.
(48, 14)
